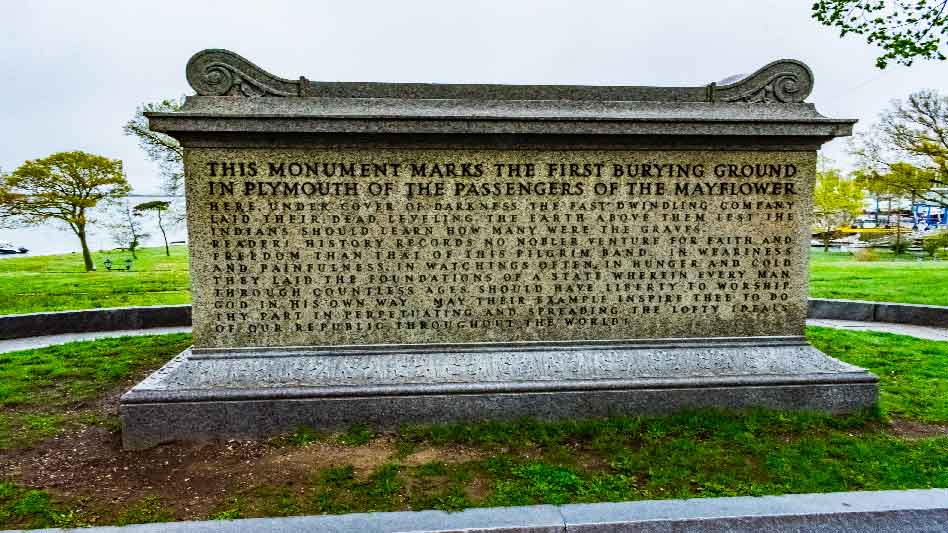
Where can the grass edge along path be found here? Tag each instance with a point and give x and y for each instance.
(454, 466)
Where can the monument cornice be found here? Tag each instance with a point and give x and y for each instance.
(217, 72)
(234, 95)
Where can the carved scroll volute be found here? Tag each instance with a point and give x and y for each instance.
(786, 81)
(224, 73)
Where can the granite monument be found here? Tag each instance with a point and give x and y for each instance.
(389, 253)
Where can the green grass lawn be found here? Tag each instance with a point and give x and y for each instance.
(695, 454)
(59, 282)
(905, 280)
(45, 390)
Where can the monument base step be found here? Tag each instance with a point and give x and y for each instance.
(259, 393)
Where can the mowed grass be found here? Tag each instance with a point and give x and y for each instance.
(693, 454)
(913, 372)
(59, 282)
(44, 390)
(904, 279)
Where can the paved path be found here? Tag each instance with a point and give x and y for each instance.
(12, 345)
(922, 332)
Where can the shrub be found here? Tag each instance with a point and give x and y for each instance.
(866, 254)
(934, 243)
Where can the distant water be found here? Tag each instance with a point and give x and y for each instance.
(49, 239)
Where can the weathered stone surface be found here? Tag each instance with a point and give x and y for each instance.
(392, 253)
(516, 249)
(218, 72)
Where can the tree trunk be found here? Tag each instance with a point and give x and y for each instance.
(163, 235)
(86, 255)
(898, 238)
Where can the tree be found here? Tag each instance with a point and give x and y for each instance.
(158, 147)
(906, 152)
(836, 202)
(905, 29)
(902, 181)
(6, 218)
(158, 206)
(64, 187)
(126, 230)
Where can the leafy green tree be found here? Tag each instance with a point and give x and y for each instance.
(158, 206)
(158, 147)
(65, 187)
(905, 29)
(906, 152)
(837, 201)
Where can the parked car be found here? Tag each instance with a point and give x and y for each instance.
(7, 249)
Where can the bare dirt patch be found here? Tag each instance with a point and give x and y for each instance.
(191, 479)
(453, 455)
(911, 429)
(318, 455)
(90, 463)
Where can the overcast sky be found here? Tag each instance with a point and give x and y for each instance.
(73, 72)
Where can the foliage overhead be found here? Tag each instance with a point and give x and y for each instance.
(901, 180)
(155, 205)
(905, 29)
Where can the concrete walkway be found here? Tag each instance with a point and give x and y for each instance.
(921, 332)
(12, 345)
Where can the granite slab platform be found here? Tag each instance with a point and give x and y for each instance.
(253, 393)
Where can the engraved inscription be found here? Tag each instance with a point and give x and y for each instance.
(331, 247)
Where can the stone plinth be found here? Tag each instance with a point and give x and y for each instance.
(410, 253)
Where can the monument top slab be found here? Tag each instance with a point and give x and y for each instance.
(223, 73)
(768, 102)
